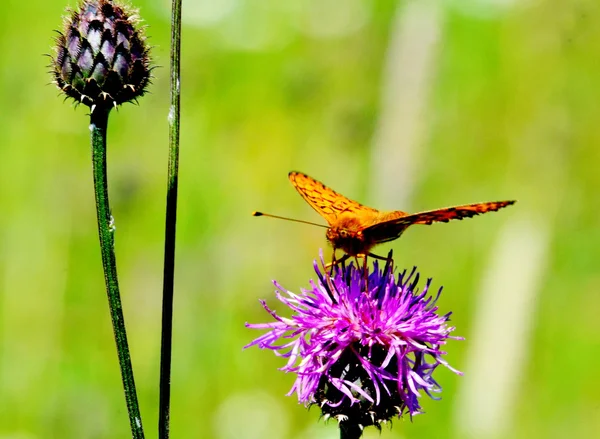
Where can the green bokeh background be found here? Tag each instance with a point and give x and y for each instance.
(512, 110)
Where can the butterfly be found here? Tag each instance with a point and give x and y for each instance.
(356, 229)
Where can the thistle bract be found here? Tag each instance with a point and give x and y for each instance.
(363, 349)
(101, 55)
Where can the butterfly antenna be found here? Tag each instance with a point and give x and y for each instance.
(287, 219)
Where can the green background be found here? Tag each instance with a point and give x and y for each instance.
(509, 107)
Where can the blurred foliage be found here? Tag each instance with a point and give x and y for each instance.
(271, 86)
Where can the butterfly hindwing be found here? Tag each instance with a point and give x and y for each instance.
(391, 228)
(458, 212)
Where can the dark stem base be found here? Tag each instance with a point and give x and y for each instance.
(350, 430)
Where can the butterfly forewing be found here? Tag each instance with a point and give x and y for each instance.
(327, 202)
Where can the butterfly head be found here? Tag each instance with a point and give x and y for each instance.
(347, 235)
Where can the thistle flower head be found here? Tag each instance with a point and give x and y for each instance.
(361, 349)
(101, 56)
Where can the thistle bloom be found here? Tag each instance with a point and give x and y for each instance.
(363, 353)
(101, 55)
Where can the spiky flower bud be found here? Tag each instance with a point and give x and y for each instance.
(101, 56)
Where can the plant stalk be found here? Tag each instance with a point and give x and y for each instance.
(98, 126)
(170, 226)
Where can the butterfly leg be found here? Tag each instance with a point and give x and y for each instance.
(335, 262)
(381, 258)
(365, 268)
(374, 256)
(366, 272)
(331, 264)
(356, 258)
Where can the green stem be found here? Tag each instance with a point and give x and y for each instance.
(350, 431)
(98, 124)
(170, 226)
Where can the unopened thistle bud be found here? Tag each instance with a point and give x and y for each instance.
(101, 56)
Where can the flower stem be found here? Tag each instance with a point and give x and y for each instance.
(170, 226)
(350, 430)
(98, 125)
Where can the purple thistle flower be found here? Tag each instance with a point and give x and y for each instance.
(362, 354)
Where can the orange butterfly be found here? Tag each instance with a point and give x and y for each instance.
(356, 229)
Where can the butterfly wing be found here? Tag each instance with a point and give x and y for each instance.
(327, 202)
(391, 225)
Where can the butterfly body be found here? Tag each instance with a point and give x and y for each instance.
(356, 229)
(347, 232)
